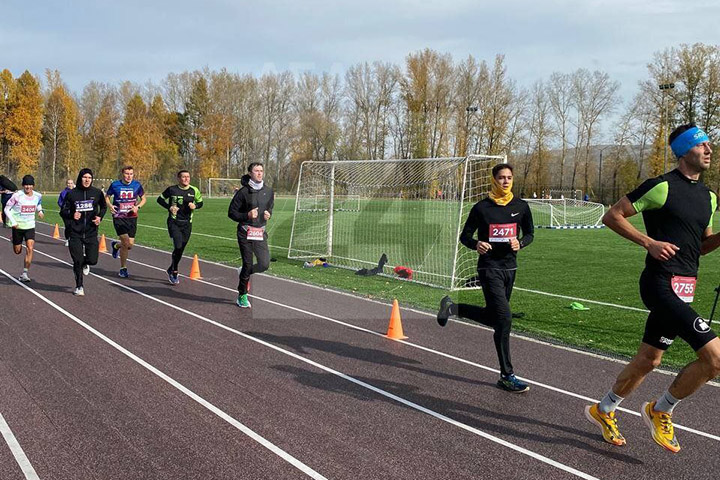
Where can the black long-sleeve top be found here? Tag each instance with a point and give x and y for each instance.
(496, 224)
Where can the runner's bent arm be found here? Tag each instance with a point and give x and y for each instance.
(198, 198)
(8, 211)
(471, 225)
(103, 206)
(236, 208)
(616, 220)
(163, 199)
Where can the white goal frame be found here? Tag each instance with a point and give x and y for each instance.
(210, 193)
(466, 182)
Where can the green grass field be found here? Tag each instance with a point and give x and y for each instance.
(585, 264)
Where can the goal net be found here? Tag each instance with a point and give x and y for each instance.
(222, 187)
(321, 203)
(353, 212)
(565, 213)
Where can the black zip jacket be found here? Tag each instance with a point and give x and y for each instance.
(246, 199)
(90, 203)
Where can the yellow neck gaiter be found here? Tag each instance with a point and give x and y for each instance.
(500, 195)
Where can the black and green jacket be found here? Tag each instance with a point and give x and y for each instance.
(176, 195)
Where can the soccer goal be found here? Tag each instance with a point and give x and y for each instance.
(565, 213)
(222, 187)
(352, 212)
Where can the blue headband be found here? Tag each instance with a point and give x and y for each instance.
(687, 140)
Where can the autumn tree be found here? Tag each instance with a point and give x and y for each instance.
(61, 129)
(7, 93)
(102, 138)
(24, 125)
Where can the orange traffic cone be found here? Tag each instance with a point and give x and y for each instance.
(56, 233)
(103, 247)
(195, 269)
(395, 330)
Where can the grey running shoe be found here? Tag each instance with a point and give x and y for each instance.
(79, 292)
(86, 269)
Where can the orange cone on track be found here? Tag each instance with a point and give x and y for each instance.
(56, 233)
(395, 330)
(103, 247)
(195, 269)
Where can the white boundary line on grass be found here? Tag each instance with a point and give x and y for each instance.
(538, 292)
(16, 449)
(421, 312)
(365, 330)
(197, 398)
(302, 359)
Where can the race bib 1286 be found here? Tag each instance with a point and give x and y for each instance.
(84, 206)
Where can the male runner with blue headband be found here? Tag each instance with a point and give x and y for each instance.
(677, 210)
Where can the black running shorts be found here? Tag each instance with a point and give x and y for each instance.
(669, 316)
(125, 226)
(19, 235)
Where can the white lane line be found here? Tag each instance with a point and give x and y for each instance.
(324, 368)
(426, 349)
(220, 413)
(436, 352)
(443, 354)
(17, 450)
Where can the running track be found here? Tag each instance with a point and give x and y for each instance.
(142, 380)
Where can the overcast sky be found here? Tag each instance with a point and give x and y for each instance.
(141, 40)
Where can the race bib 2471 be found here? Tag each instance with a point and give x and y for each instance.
(502, 232)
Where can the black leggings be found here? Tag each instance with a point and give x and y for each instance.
(84, 251)
(248, 248)
(180, 234)
(497, 287)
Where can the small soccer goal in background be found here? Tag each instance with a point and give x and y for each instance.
(222, 187)
(565, 213)
(352, 212)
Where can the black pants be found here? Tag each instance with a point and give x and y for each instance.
(248, 248)
(497, 287)
(180, 234)
(670, 317)
(67, 228)
(84, 251)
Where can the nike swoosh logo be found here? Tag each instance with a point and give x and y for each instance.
(514, 214)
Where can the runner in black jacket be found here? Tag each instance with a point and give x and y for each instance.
(252, 207)
(7, 188)
(498, 221)
(83, 209)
